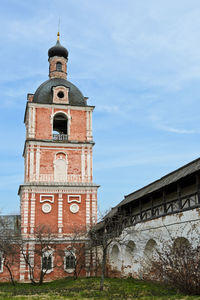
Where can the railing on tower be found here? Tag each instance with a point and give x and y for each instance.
(60, 137)
(72, 178)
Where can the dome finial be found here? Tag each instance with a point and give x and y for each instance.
(58, 34)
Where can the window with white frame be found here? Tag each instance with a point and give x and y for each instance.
(70, 261)
(47, 261)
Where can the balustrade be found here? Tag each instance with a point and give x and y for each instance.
(60, 137)
(168, 207)
(69, 178)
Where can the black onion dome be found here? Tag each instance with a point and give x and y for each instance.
(58, 50)
(44, 93)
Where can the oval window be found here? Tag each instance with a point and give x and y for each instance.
(60, 94)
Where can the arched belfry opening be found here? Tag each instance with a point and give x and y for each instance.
(60, 123)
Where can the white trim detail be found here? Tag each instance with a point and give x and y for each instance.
(31, 164)
(60, 167)
(91, 161)
(29, 121)
(32, 215)
(59, 112)
(57, 106)
(64, 90)
(88, 211)
(48, 253)
(68, 253)
(74, 200)
(94, 209)
(46, 200)
(74, 208)
(46, 208)
(25, 211)
(38, 163)
(87, 124)
(26, 165)
(33, 122)
(83, 164)
(31, 248)
(22, 263)
(88, 165)
(60, 213)
(90, 124)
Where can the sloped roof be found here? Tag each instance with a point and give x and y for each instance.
(166, 180)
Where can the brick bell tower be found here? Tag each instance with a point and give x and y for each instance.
(58, 188)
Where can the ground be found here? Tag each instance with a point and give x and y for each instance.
(88, 288)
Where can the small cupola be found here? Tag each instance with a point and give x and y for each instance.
(58, 57)
(58, 49)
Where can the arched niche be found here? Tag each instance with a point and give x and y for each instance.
(150, 249)
(60, 167)
(130, 249)
(114, 257)
(181, 245)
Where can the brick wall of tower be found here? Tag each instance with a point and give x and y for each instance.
(61, 215)
(44, 123)
(40, 162)
(58, 189)
(52, 67)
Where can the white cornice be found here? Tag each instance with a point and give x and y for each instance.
(84, 108)
(74, 188)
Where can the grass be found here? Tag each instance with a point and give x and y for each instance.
(88, 288)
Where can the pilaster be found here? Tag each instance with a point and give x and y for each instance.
(32, 214)
(60, 214)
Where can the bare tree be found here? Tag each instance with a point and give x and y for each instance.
(177, 262)
(106, 232)
(9, 248)
(45, 247)
(74, 254)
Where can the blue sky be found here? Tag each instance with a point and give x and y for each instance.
(138, 61)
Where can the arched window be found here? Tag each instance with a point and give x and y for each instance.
(47, 261)
(60, 127)
(58, 66)
(70, 261)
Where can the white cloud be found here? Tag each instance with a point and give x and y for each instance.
(179, 131)
(107, 109)
(139, 62)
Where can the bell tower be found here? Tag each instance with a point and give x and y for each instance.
(58, 188)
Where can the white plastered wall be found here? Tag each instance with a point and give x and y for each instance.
(156, 232)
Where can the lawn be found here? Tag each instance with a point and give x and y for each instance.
(88, 288)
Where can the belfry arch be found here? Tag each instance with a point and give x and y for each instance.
(60, 123)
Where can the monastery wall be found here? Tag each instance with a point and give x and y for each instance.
(138, 244)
